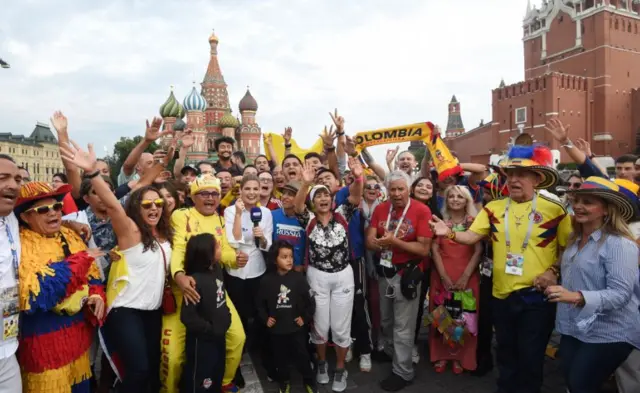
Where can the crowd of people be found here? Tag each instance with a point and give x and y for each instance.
(285, 259)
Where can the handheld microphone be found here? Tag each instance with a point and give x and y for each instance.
(256, 217)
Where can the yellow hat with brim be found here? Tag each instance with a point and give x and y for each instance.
(610, 192)
(204, 182)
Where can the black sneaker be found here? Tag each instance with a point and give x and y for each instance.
(285, 388)
(394, 383)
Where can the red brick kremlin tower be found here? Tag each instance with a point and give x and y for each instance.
(454, 124)
(581, 64)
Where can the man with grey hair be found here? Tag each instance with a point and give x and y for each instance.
(400, 235)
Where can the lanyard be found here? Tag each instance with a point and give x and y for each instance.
(14, 252)
(404, 213)
(527, 237)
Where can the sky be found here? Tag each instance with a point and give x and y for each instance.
(109, 65)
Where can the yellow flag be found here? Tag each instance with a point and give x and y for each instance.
(278, 146)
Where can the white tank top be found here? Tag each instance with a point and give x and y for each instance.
(146, 278)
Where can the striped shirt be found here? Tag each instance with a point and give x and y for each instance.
(606, 272)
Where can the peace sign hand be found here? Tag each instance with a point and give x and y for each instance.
(338, 121)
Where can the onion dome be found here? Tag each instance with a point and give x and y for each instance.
(181, 112)
(213, 37)
(228, 121)
(171, 107)
(248, 103)
(194, 101)
(179, 125)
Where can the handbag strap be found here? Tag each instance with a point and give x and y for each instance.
(164, 259)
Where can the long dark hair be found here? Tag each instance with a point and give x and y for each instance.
(275, 251)
(432, 203)
(201, 251)
(171, 189)
(132, 208)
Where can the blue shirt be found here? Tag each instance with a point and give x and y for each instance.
(356, 225)
(606, 272)
(289, 229)
(588, 169)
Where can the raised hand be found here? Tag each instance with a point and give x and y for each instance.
(584, 146)
(559, 131)
(239, 207)
(153, 132)
(288, 131)
(59, 122)
(338, 121)
(85, 160)
(328, 137)
(308, 174)
(350, 146)
(391, 154)
(356, 167)
(267, 139)
(187, 138)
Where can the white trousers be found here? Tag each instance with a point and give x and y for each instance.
(628, 374)
(10, 380)
(333, 293)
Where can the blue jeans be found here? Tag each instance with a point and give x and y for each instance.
(586, 366)
(523, 324)
(136, 337)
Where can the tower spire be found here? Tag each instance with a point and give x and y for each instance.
(214, 91)
(454, 124)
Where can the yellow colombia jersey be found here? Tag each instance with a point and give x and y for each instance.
(551, 229)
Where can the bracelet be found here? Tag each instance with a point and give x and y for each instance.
(451, 235)
(339, 134)
(331, 148)
(555, 270)
(359, 180)
(287, 146)
(92, 175)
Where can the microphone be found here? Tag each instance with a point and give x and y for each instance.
(256, 217)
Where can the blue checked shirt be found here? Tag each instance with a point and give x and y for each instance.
(606, 272)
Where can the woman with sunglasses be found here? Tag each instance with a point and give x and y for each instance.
(60, 296)
(134, 315)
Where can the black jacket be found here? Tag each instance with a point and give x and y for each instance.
(211, 316)
(285, 298)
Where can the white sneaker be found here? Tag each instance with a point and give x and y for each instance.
(323, 375)
(340, 381)
(415, 355)
(365, 363)
(349, 356)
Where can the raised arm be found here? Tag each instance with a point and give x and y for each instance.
(187, 140)
(328, 139)
(125, 229)
(466, 237)
(338, 121)
(356, 188)
(60, 123)
(371, 162)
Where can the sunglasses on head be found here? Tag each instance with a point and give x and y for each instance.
(372, 186)
(146, 203)
(44, 209)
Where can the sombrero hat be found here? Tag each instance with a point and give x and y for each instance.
(610, 192)
(32, 192)
(534, 158)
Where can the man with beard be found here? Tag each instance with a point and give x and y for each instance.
(224, 148)
(359, 321)
(202, 218)
(10, 180)
(528, 232)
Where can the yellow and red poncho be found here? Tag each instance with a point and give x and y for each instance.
(57, 328)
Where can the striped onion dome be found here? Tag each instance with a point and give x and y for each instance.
(171, 107)
(228, 121)
(194, 101)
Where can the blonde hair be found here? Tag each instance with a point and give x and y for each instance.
(470, 207)
(612, 225)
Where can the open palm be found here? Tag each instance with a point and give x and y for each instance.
(85, 160)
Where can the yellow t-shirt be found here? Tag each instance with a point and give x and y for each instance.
(188, 222)
(550, 231)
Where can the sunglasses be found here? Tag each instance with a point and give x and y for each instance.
(575, 185)
(146, 204)
(56, 207)
(372, 186)
(207, 195)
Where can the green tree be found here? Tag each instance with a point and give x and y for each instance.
(419, 155)
(121, 151)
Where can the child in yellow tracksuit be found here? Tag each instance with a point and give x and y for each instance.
(187, 223)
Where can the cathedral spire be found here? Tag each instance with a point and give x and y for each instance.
(214, 91)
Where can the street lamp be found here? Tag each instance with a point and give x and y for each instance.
(4, 64)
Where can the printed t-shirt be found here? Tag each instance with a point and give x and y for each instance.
(550, 230)
(414, 225)
(290, 230)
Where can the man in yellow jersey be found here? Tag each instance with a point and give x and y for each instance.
(528, 232)
(202, 218)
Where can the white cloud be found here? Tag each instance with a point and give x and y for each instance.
(382, 64)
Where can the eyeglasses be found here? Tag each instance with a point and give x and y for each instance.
(372, 186)
(207, 195)
(146, 203)
(56, 207)
(575, 185)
